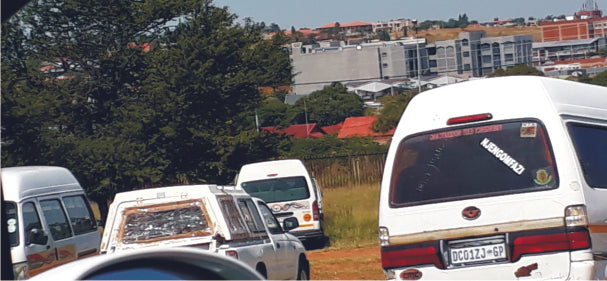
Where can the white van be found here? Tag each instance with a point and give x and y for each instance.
(49, 218)
(499, 178)
(290, 191)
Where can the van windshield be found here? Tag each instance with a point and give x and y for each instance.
(472, 161)
(279, 189)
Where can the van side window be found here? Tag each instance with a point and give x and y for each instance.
(81, 216)
(271, 221)
(591, 146)
(251, 216)
(56, 219)
(31, 220)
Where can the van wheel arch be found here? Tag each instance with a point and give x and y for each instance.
(261, 269)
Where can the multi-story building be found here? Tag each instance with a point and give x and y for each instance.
(358, 28)
(550, 52)
(390, 26)
(317, 66)
(475, 54)
(586, 24)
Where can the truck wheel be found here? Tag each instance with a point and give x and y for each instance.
(302, 272)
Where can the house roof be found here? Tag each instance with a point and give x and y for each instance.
(445, 80)
(353, 24)
(298, 131)
(566, 43)
(361, 127)
(291, 99)
(373, 87)
(333, 128)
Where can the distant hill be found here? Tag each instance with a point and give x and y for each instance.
(453, 33)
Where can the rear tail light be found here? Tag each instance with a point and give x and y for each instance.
(408, 257)
(384, 236)
(315, 211)
(563, 241)
(232, 253)
(576, 216)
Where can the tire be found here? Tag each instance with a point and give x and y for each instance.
(303, 272)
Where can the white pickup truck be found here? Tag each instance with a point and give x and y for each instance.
(219, 219)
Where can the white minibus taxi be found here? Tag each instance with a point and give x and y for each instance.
(49, 218)
(498, 178)
(289, 190)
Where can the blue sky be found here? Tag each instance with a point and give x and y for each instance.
(315, 13)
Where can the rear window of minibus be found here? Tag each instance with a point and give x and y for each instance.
(472, 161)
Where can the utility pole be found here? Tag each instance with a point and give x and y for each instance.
(419, 81)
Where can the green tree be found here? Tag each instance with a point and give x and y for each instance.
(393, 108)
(83, 115)
(519, 69)
(600, 79)
(272, 112)
(331, 145)
(383, 35)
(128, 117)
(329, 106)
(204, 92)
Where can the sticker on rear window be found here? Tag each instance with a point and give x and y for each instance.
(503, 156)
(542, 177)
(528, 130)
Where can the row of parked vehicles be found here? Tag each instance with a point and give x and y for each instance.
(50, 220)
(503, 179)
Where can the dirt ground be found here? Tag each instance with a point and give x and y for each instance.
(348, 264)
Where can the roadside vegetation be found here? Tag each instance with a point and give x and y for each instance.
(351, 215)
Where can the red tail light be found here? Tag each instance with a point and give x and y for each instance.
(232, 253)
(469, 118)
(315, 211)
(550, 242)
(409, 257)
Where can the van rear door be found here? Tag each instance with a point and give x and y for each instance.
(490, 189)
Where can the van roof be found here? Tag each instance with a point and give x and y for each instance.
(19, 183)
(275, 168)
(505, 98)
(176, 191)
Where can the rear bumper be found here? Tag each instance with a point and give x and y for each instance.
(308, 234)
(550, 266)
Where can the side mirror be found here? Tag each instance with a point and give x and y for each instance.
(290, 224)
(37, 236)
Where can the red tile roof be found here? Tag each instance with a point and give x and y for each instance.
(353, 24)
(299, 131)
(361, 127)
(304, 31)
(333, 128)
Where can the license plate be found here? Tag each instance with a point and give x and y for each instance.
(477, 254)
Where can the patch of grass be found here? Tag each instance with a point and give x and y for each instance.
(351, 215)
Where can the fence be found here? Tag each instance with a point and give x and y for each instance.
(333, 171)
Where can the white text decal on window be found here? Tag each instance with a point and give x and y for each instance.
(503, 156)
